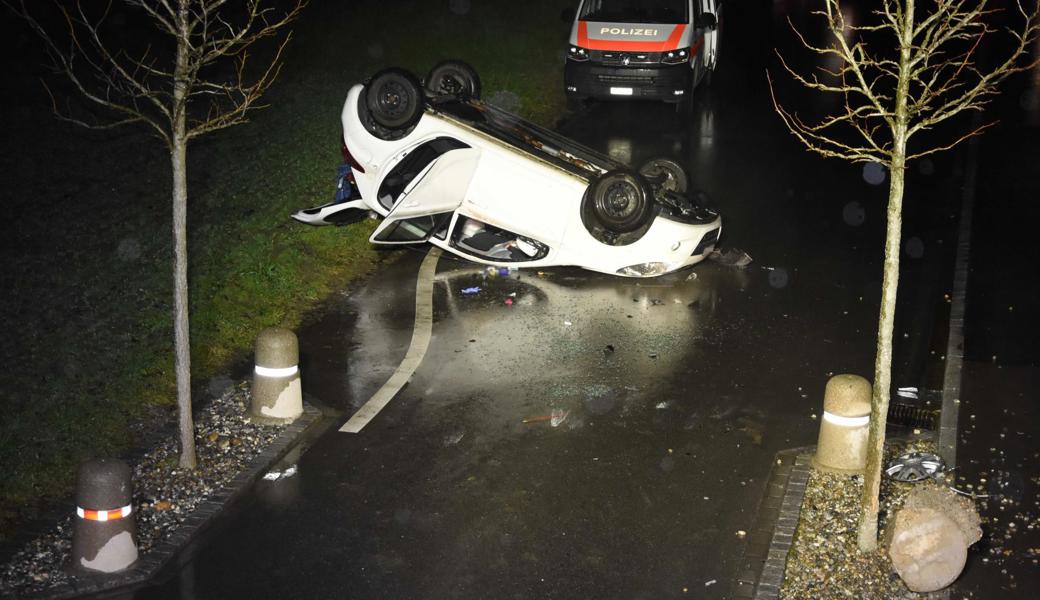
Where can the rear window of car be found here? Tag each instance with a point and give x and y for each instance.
(635, 11)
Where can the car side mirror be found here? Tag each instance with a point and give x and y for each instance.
(709, 21)
(567, 15)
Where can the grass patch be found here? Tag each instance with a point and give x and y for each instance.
(87, 246)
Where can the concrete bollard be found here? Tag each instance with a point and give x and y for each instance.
(842, 445)
(277, 395)
(104, 536)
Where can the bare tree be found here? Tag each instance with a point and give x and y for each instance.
(198, 81)
(912, 69)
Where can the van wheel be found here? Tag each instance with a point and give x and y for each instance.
(620, 201)
(454, 78)
(394, 99)
(666, 174)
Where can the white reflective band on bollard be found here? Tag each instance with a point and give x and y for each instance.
(846, 421)
(269, 372)
(104, 515)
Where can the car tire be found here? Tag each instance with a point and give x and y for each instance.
(453, 78)
(393, 99)
(620, 201)
(672, 176)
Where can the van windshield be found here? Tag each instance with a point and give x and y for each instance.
(635, 11)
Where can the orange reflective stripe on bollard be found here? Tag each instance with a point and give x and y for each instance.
(104, 515)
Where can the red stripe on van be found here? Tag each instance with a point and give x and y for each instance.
(672, 43)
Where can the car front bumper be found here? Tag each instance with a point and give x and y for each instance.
(670, 83)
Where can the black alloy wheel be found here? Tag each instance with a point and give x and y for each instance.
(666, 174)
(620, 201)
(394, 99)
(454, 78)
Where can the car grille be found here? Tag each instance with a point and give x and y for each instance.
(635, 80)
(627, 58)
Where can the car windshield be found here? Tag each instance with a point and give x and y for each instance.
(530, 138)
(635, 11)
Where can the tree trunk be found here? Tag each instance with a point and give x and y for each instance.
(868, 519)
(882, 362)
(179, 156)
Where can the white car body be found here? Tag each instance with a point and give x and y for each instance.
(535, 193)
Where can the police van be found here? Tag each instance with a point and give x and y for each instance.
(641, 49)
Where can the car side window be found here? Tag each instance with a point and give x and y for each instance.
(410, 166)
(494, 243)
(416, 229)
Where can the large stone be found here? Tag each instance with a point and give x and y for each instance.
(928, 539)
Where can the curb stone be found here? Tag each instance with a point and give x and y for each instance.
(195, 523)
(761, 570)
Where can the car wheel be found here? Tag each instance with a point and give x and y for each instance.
(665, 173)
(620, 201)
(394, 99)
(454, 78)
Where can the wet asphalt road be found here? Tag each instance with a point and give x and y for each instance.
(674, 394)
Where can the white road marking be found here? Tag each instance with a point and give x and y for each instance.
(416, 350)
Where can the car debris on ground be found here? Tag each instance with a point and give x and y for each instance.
(731, 257)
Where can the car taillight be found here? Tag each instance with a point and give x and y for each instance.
(350, 160)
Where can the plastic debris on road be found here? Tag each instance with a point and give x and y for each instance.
(509, 301)
(731, 257)
(470, 291)
(454, 438)
(538, 419)
(558, 417)
(555, 419)
(273, 475)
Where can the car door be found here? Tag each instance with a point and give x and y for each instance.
(425, 208)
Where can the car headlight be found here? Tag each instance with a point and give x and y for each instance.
(649, 269)
(577, 53)
(675, 57)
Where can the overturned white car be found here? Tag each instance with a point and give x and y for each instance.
(445, 168)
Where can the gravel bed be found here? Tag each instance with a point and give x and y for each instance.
(824, 561)
(164, 495)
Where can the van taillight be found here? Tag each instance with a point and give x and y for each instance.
(350, 160)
